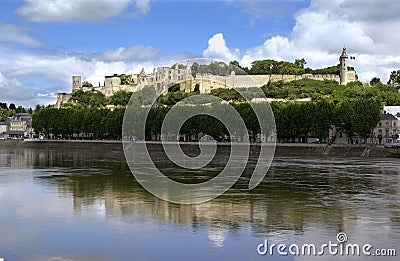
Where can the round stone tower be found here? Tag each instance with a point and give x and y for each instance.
(76, 83)
(343, 67)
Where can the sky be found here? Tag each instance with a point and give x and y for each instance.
(43, 43)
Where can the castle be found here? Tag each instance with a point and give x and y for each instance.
(164, 77)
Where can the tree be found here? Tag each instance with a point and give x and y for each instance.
(195, 69)
(174, 88)
(125, 79)
(12, 106)
(375, 81)
(87, 84)
(120, 98)
(92, 99)
(366, 117)
(394, 77)
(300, 63)
(322, 119)
(20, 109)
(38, 107)
(235, 66)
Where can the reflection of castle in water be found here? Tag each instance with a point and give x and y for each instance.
(103, 184)
(220, 216)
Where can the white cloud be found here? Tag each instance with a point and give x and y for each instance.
(12, 91)
(134, 53)
(16, 35)
(217, 49)
(273, 48)
(142, 7)
(320, 32)
(88, 10)
(29, 78)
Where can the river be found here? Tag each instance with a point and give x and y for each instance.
(84, 204)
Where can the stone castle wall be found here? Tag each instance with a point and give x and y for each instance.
(62, 99)
(207, 83)
(164, 77)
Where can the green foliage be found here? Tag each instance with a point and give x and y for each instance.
(94, 123)
(90, 99)
(300, 63)
(6, 112)
(277, 67)
(239, 70)
(380, 93)
(332, 91)
(297, 120)
(215, 68)
(227, 94)
(3, 105)
(375, 81)
(87, 84)
(125, 79)
(144, 97)
(304, 88)
(358, 116)
(174, 88)
(394, 77)
(171, 98)
(120, 98)
(327, 70)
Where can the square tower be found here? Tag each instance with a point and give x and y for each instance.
(76, 83)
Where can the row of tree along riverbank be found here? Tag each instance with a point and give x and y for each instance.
(294, 121)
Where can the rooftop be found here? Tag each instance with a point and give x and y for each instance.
(388, 117)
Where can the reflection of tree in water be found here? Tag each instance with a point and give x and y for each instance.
(297, 193)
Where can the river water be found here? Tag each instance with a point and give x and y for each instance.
(84, 204)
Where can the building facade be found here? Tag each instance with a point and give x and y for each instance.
(387, 129)
(18, 126)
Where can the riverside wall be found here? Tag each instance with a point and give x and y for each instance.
(282, 149)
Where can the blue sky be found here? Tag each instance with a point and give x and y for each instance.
(44, 42)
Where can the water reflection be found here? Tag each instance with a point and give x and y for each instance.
(305, 200)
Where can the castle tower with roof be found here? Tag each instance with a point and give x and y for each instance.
(343, 67)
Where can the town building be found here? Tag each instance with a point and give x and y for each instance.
(387, 129)
(3, 129)
(18, 126)
(164, 77)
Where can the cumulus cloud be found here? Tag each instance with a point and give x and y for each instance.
(217, 49)
(35, 78)
(88, 10)
(321, 31)
(14, 34)
(12, 91)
